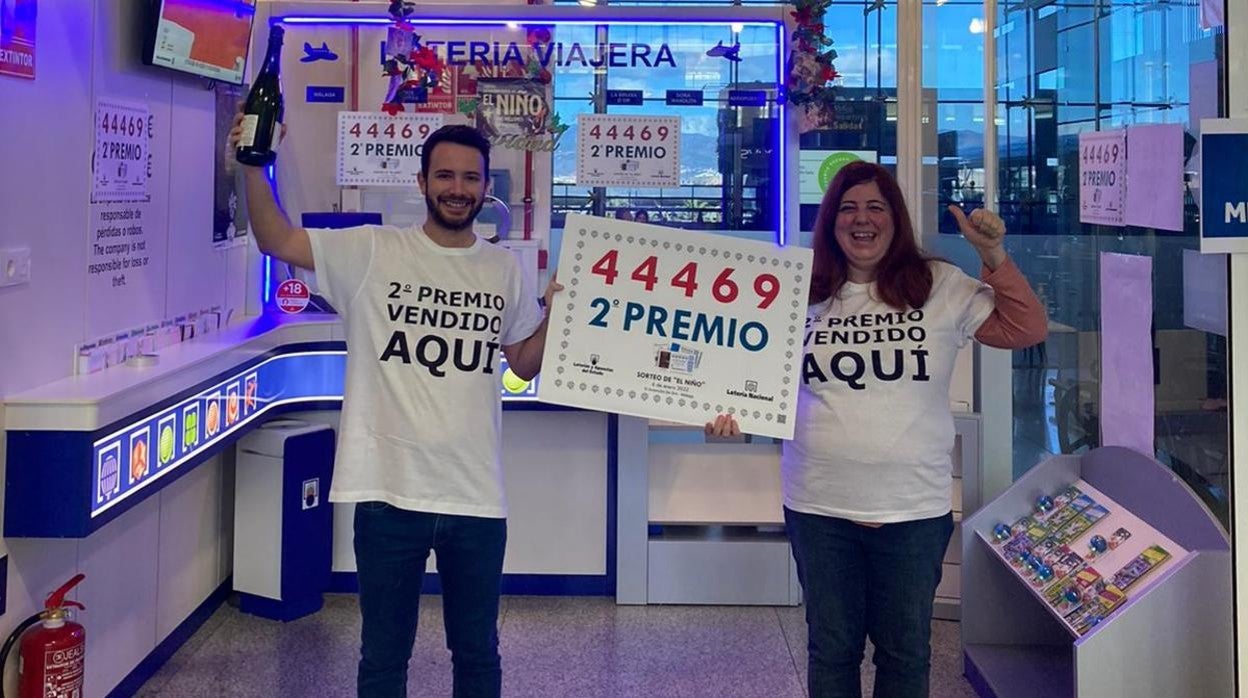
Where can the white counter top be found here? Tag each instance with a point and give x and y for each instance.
(89, 402)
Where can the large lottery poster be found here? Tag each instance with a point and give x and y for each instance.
(677, 325)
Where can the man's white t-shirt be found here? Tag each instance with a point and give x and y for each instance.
(425, 326)
(874, 431)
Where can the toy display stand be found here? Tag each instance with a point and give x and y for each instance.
(1164, 632)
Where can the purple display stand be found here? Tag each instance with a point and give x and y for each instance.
(1172, 637)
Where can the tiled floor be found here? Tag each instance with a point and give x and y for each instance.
(551, 647)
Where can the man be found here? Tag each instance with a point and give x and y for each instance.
(426, 311)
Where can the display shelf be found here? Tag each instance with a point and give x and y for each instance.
(1017, 644)
(1022, 671)
(1096, 569)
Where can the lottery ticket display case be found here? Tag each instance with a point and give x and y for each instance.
(1099, 574)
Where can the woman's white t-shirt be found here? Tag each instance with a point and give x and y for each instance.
(874, 431)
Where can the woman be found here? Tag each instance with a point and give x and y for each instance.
(642, 216)
(868, 475)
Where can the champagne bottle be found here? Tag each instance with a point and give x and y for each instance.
(263, 110)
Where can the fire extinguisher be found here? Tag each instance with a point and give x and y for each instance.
(52, 656)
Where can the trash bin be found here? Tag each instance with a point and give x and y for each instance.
(283, 522)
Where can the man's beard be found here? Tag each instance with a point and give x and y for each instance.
(452, 226)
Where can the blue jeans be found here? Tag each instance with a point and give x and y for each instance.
(861, 582)
(391, 550)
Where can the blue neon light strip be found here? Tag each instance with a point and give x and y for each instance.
(782, 143)
(132, 458)
(295, 19)
(267, 290)
(268, 278)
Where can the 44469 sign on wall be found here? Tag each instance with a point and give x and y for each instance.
(677, 325)
(624, 151)
(378, 149)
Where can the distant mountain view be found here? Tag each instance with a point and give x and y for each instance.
(699, 159)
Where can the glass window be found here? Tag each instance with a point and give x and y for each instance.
(727, 163)
(865, 122)
(1154, 64)
(952, 118)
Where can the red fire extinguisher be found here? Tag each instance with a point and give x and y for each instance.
(52, 656)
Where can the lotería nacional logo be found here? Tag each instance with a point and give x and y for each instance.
(594, 367)
(750, 392)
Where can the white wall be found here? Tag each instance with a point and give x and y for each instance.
(154, 565)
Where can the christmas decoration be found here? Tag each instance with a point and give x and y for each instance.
(809, 84)
(413, 69)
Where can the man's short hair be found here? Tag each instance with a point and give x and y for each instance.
(460, 134)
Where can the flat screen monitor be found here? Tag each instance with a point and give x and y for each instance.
(209, 38)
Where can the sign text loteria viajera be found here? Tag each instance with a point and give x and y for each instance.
(557, 54)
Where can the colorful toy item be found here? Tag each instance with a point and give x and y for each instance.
(1044, 504)
(1001, 532)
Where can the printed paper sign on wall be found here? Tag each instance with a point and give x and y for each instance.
(377, 149)
(627, 151)
(120, 159)
(1102, 166)
(1155, 189)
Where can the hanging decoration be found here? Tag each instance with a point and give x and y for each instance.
(537, 36)
(809, 84)
(413, 69)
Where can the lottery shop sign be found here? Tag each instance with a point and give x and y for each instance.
(621, 151)
(677, 325)
(378, 149)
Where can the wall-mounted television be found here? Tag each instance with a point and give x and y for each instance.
(210, 38)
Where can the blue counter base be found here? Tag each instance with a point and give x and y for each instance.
(285, 610)
(171, 644)
(513, 584)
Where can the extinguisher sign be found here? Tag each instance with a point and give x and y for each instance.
(63, 672)
(292, 296)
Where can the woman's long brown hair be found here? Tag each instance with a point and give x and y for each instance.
(903, 278)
